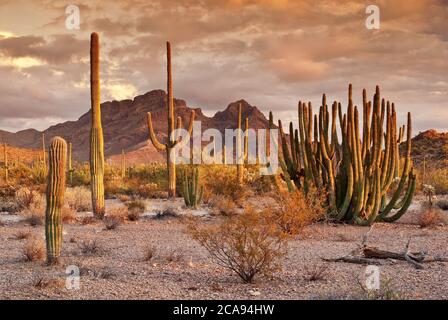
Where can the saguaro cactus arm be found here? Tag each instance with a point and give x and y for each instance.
(152, 135)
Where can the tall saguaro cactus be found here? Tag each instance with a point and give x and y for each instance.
(96, 133)
(123, 164)
(171, 141)
(44, 152)
(359, 173)
(70, 163)
(55, 198)
(242, 146)
(6, 164)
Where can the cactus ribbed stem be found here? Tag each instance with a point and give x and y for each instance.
(96, 133)
(55, 198)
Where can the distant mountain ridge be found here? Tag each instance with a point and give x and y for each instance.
(125, 127)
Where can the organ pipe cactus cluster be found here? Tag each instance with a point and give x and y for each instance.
(171, 141)
(192, 192)
(55, 198)
(359, 172)
(96, 132)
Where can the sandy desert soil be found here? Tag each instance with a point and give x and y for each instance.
(118, 270)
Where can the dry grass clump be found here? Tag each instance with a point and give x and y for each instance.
(78, 199)
(44, 283)
(135, 209)
(22, 235)
(432, 217)
(68, 215)
(114, 217)
(223, 205)
(34, 250)
(89, 248)
(316, 272)
(295, 210)
(33, 205)
(174, 256)
(149, 253)
(247, 244)
(168, 213)
(88, 220)
(111, 222)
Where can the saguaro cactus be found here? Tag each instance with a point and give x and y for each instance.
(123, 164)
(358, 174)
(171, 141)
(6, 165)
(44, 152)
(70, 163)
(55, 198)
(96, 133)
(192, 192)
(242, 146)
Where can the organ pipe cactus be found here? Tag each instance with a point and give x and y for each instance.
(359, 172)
(171, 143)
(55, 198)
(96, 133)
(192, 192)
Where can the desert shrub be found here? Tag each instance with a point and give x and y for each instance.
(246, 244)
(223, 205)
(222, 180)
(81, 176)
(148, 190)
(295, 210)
(34, 250)
(35, 212)
(431, 217)
(438, 178)
(79, 199)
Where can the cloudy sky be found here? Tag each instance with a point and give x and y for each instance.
(271, 53)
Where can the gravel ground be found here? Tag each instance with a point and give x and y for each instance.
(118, 270)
